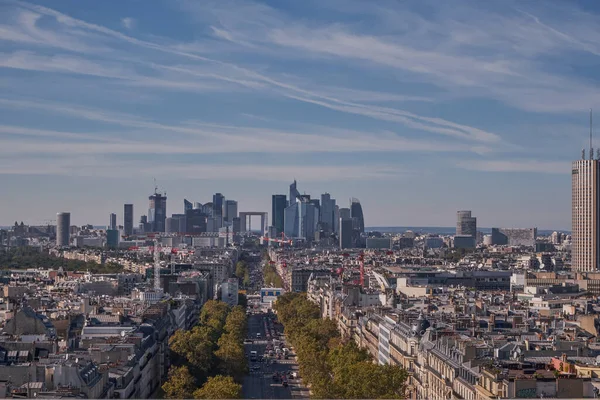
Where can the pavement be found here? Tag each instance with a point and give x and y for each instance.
(259, 383)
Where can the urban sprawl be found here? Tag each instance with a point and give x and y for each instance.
(203, 304)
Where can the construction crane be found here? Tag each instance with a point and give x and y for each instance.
(284, 240)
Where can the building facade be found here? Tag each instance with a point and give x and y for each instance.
(63, 228)
(128, 219)
(157, 212)
(585, 175)
(466, 224)
(278, 205)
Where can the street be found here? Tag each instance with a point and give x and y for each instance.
(259, 384)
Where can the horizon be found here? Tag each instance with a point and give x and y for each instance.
(417, 109)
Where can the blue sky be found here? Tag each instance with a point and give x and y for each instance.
(418, 109)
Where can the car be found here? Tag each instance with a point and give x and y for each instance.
(285, 383)
(248, 341)
(276, 376)
(258, 335)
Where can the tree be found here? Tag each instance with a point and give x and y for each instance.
(232, 360)
(241, 268)
(180, 385)
(219, 387)
(236, 323)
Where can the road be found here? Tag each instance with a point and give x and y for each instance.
(259, 384)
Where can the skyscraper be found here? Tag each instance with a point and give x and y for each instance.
(278, 205)
(218, 200)
(326, 216)
(195, 221)
(466, 225)
(112, 221)
(356, 213)
(63, 228)
(230, 210)
(294, 193)
(128, 219)
(157, 212)
(346, 233)
(585, 236)
(187, 205)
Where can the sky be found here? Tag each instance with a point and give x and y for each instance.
(417, 108)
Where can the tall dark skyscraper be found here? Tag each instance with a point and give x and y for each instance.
(294, 193)
(195, 221)
(356, 213)
(187, 205)
(128, 219)
(278, 205)
(218, 200)
(230, 210)
(157, 212)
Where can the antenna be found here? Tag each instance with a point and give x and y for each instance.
(591, 149)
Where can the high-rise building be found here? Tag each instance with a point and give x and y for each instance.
(356, 213)
(157, 212)
(278, 205)
(585, 239)
(195, 221)
(230, 210)
(294, 193)
(197, 205)
(326, 215)
(187, 205)
(128, 219)
(466, 225)
(336, 218)
(112, 221)
(346, 232)
(112, 238)
(218, 200)
(63, 229)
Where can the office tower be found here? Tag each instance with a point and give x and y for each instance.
(197, 206)
(336, 218)
(112, 238)
(63, 229)
(345, 213)
(309, 219)
(466, 225)
(585, 240)
(171, 225)
(143, 226)
(294, 193)
(218, 200)
(208, 209)
(356, 213)
(346, 233)
(291, 220)
(128, 219)
(278, 205)
(230, 210)
(187, 205)
(157, 212)
(195, 221)
(112, 221)
(236, 225)
(326, 214)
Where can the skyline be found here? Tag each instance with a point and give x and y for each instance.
(418, 110)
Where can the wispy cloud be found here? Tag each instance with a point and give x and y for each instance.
(128, 23)
(535, 166)
(99, 166)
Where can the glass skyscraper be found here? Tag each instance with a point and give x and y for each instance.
(278, 205)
